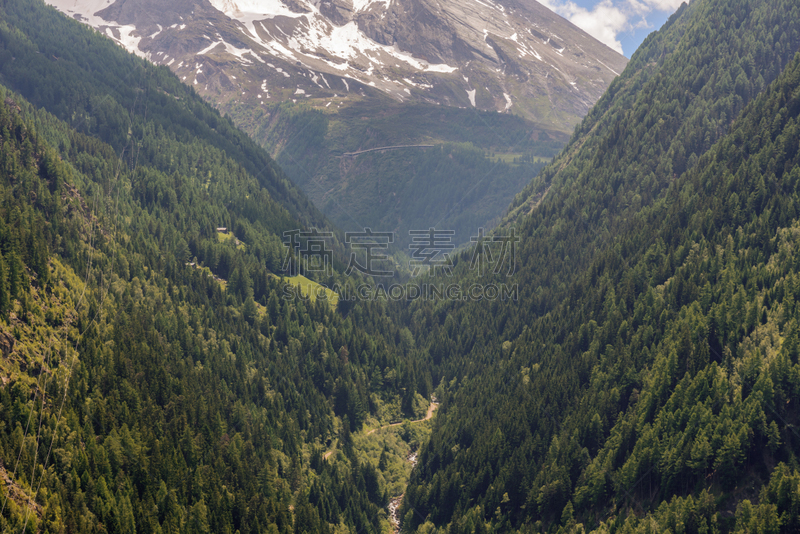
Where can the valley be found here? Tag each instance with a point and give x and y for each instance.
(176, 354)
(310, 81)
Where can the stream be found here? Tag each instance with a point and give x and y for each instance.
(394, 504)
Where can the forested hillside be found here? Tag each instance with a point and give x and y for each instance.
(311, 81)
(646, 378)
(77, 75)
(154, 379)
(479, 161)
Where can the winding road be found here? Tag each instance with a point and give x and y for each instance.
(428, 415)
(431, 408)
(397, 147)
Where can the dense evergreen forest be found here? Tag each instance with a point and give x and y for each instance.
(647, 378)
(153, 377)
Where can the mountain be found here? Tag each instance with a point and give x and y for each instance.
(498, 56)
(156, 373)
(468, 169)
(644, 378)
(313, 81)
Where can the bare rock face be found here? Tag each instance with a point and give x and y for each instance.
(339, 12)
(7, 342)
(418, 31)
(511, 56)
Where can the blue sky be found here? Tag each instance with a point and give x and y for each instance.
(621, 24)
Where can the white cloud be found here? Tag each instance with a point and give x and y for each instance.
(607, 19)
(664, 5)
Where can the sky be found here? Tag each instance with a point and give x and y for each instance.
(620, 24)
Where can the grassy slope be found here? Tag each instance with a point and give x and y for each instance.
(453, 187)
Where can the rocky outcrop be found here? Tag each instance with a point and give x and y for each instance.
(508, 55)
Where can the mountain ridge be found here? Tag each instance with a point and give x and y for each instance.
(303, 51)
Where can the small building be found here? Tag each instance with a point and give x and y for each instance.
(222, 229)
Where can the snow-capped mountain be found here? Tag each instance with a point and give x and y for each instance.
(503, 55)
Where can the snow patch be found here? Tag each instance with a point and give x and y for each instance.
(249, 9)
(361, 5)
(87, 10)
(508, 100)
(346, 43)
(471, 95)
(447, 69)
(230, 49)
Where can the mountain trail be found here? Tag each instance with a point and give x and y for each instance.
(428, 416)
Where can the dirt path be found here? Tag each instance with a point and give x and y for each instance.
(431, 408)
(428, 415)
(397, 147)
